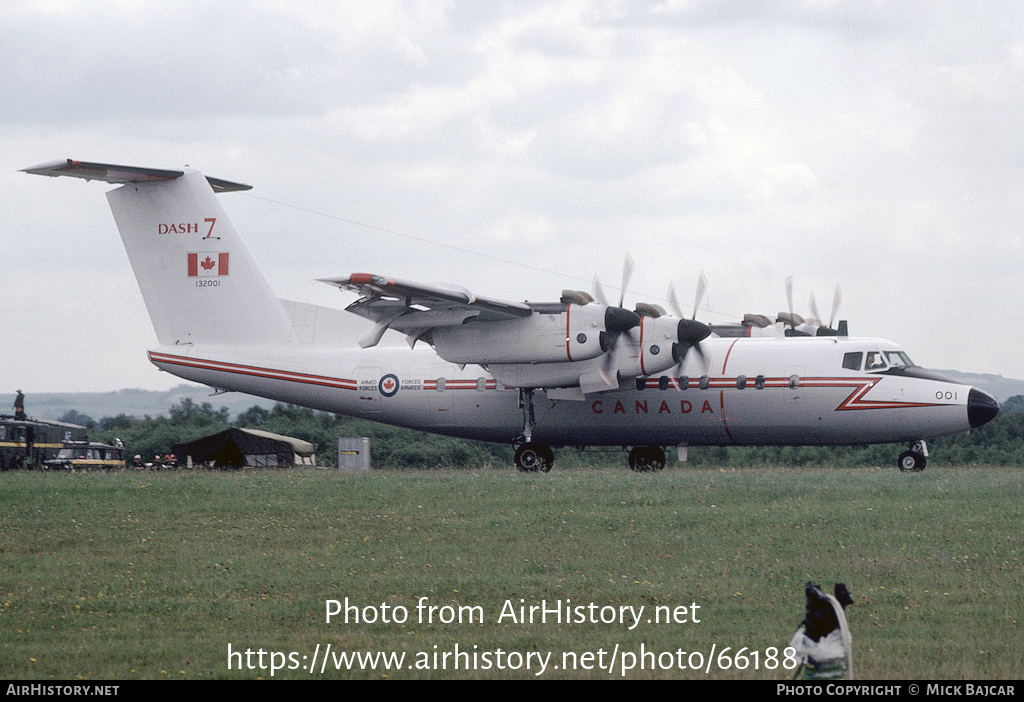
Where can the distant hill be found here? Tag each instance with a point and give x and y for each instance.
(995, 385)
(135, 402)
(139, 403)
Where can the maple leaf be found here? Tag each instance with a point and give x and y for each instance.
(208, 263)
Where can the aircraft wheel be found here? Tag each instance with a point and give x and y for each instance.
(532, 457)
(911, 462)
(646, 458)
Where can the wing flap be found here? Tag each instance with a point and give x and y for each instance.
(380, 293)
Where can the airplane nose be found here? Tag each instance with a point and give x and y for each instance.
(981, 408)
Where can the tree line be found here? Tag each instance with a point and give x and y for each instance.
(1000, 442)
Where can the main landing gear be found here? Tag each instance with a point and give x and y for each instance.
(913, 461)
(533, 456)
(647, 458)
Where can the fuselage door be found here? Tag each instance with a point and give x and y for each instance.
(369, 379)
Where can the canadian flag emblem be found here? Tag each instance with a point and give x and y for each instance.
(207, 263)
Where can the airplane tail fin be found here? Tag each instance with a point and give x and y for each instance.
(198, 279)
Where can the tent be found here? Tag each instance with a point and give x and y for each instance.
(237, 448)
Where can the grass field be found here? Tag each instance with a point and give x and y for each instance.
(155, 575)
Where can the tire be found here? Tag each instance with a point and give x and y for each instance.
(532, 457)
(911, 462)
(645, 459)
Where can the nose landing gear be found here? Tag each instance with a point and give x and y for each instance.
(914, 460)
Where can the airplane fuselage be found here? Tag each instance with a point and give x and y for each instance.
(755, 392)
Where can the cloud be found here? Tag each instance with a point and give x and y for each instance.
(871, 144)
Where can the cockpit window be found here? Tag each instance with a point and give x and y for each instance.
(875, 361)
(898, 359)
(852, 360)
(878, 360)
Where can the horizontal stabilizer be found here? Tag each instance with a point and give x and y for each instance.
(122, 174)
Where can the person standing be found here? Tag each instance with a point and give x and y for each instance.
(19, 406)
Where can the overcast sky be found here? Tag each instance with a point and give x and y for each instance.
(517, 148)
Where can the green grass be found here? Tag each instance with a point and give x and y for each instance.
(154, 575)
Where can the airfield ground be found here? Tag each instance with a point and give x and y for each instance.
(190, 575)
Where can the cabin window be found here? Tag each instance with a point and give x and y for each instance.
(759, 382)
(481, 384)
(794, 382)
(705, 382)
(851, 361)
(440, 384)
(741, 382)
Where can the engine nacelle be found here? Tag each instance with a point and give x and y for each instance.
(575, 333)
(653, 347)
(649, 350)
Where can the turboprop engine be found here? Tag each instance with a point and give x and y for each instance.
(653, 346)
(657, 344)
(553, 333)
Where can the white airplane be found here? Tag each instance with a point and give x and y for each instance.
(577, 372)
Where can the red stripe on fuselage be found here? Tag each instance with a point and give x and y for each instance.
(252, 371)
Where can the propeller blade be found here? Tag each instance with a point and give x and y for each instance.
(702, 286)
(789, 294)
(598, 292)
(704, 364)
(790, 318)
(673, 303)
(627, 273)
(837, 299)
(680, 351)
(814, 309)
(609, 362)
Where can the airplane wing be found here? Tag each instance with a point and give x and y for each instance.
(414, 308)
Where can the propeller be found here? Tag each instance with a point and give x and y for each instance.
(795, 320)
(690, 331)
(617, 321)
(791, 318)
(837, 299)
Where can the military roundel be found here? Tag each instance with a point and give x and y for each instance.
(388, 385)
